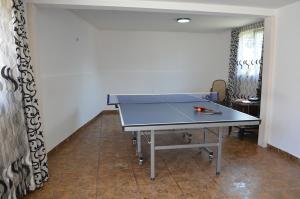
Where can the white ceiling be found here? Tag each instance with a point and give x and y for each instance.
(154, 21)
(272, 4)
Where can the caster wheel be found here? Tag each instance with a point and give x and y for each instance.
(141, 160)
(187, 137)
(210, 157)
(152, 179)
(217, 173)
(134, 141)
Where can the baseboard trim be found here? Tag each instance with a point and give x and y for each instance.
(284, 153)
(105, 112)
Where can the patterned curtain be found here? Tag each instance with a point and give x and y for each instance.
(30, 102)
(232, 79)
(245, 62)
(23, 159)
(260, 73)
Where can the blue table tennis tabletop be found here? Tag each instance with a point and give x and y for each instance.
(175, 111)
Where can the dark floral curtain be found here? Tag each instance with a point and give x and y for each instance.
(23, 159)
(232, 79)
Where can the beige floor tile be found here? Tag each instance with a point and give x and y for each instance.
(161, 191)
(142, 177)
(44, 192)
(75, 194)
(118, 192)
(116, 178)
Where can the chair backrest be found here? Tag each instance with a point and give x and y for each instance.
(219, 86)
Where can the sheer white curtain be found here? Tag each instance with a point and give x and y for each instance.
(249, 61)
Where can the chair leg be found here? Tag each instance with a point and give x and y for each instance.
(229, 130)
(241, 133)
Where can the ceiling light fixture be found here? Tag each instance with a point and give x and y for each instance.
(183, 20)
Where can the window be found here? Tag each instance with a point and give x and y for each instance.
(250, 52)
(249, 61)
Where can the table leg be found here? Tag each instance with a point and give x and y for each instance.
(152, 175)
(134, 138)
(139, 148)
(219, 158)
(206, 149)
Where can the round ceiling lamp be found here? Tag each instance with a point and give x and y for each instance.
(183, 20)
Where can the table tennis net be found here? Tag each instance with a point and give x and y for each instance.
(115, 99)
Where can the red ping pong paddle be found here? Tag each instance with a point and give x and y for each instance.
(200, 108)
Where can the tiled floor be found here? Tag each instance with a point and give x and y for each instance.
(99, 162)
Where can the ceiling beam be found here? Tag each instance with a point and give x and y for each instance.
(157, 6)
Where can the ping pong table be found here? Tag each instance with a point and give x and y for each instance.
(149, 115)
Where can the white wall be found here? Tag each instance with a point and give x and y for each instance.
(285, 132)
(65, 55)
(77, 65)
(162, 62)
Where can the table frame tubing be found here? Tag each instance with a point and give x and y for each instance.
(152, 174)
(188, 126)
(154, 148)
(185, 146)
(139, 145)
(219, 155)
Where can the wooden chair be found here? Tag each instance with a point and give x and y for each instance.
(219, 86)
